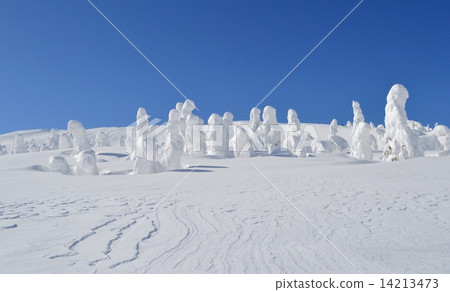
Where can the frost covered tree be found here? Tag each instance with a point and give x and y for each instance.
(255, 118)
(341, 143)
(399, 141)
(293, 118)
(192, 145)
(227, 123)
(32, 146)
(3, 150)
(173, 150)
(188, 107)
(59, 164)
(358, 116)
(361, 147)
(443, 135)
(142, 130)
(80, 139)
(121, 141)
(270, 116)
(86, 163)
(214, 136)
(379, 135)
(361, 142)
(173, 146)
(186, 110)
(101, 139)
(293, 132)
(270, 137)
(241, 144)
(53, 140)
(173, 124)
(44, 147)
(333, 129)
(192, 136)
(65, 141)
(19, 144)
(179, 107)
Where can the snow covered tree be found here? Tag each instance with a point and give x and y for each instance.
(179, 107)
(214, 136)
(44, 147)
(53, 140)
(361, 147)
(65, 141)
(255, 118)
(340, 143)
(227, 123)
(186, 110)
(399, 141)
(59, 164)
(443, 135)
(173, 150)
(3, 150)
(80, 139)
(241, 144)
(19, 144)
(86, 163)
(361, 142)
(194, 144)
(358, 116)
(32, 146)
(121, 141)
(270, 137)
(293, 132)
(173, 146)
(293, 118)
(333, 129)
(101, 139)
(142, 130)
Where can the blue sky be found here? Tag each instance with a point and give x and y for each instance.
(61, 60)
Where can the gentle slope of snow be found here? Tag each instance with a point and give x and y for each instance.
(225, 217)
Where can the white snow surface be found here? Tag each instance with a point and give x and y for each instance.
(224, 216)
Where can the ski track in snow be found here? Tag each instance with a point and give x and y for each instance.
(237, 225)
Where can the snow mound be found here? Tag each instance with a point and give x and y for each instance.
(86, 163)
(144, 166)
(59, 164)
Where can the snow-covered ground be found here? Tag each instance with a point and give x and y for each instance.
(224, 216)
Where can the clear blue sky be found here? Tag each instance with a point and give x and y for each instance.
(61, 60)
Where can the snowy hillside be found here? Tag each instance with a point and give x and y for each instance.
(227, 196)
(226, 217)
